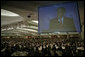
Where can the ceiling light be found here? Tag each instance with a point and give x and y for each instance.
(7, 13)
(3, 29)
(35, 21)
(27, 29)
(31, 27)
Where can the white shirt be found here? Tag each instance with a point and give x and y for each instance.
(61, 19)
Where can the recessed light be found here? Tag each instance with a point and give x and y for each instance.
(28, 16)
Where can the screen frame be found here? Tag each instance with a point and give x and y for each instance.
(58, 4)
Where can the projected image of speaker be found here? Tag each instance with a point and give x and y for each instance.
(62, 17)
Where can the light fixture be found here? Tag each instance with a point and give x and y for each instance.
(58, 32)
(7, 13)
(34, 27)
(35, 21)
(27, 29)
(3, 29)
(31, 27)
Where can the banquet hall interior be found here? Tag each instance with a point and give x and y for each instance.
(20, 37)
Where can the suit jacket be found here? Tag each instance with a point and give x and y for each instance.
(55, 26)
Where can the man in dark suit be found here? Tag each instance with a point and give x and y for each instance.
(61, 23)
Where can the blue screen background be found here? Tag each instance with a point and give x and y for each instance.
(46, 13)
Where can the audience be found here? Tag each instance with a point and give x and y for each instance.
(41, 47)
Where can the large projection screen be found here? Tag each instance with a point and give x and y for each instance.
(62, 17)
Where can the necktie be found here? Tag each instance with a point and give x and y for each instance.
(60, 21)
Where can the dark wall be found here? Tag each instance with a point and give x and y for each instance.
(81, 12)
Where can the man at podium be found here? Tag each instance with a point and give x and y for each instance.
(61, 23)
